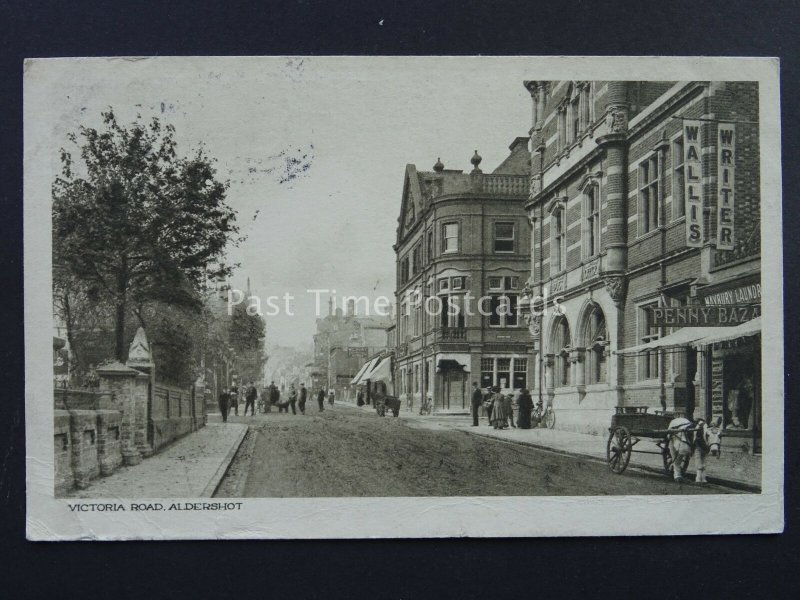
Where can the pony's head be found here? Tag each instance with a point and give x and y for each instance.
(712, 437)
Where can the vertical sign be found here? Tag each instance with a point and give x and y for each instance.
(693, 172)
(726, 170)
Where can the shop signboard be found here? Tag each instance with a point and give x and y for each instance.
(693, 181)
(726, 169)
(719, 315)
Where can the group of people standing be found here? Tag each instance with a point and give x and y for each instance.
(271, 396)
(500, 408)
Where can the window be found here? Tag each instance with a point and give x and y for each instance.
(458, 283)
(678, 180)
(403, 321)
(591, 242)
(586, 104)
(430, 245)
(418, 317)
(651, 359)
(559, 241)
(648, 196)
(450, 237)
(444, 284)
(562, 348)
(576, 118)
(503, 307)
(504, 237)
(504, 372)
(410, 214)
(487, 372)
(520, 380)
(416, 258)
(452, 315)
(596, 343)
(404, 274)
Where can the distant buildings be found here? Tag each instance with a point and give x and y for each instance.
(460, 237)
(342, 343)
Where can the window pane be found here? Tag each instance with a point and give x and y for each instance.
(511, 317)
(494, 308)
(495, 283)
(504, 230)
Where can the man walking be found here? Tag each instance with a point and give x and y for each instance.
(224, 404)
(235, 399)
(321, 399)
(303, 398)
(293, 399)
(250, 399)
(331, 396)
(477, 401)
(274, 394)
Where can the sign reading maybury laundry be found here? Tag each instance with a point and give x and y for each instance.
(726, 163)
(694, 182)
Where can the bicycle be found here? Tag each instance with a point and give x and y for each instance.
(426, 407)
(544, 414)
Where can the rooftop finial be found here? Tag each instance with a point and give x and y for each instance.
(476, 161)
(439, 166)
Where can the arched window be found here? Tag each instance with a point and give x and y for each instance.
(561, 349)
(596, 336)
(591, 221)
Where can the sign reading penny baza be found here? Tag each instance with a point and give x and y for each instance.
(720, 315)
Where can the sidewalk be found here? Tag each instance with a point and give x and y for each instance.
(734, 468)
(192, 467)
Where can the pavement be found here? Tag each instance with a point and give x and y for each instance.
(734, 468)
(192, 467)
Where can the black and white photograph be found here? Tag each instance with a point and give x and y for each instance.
(316, 297)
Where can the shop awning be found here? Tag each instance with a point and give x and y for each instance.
(724, 334)
(698, 336)
(364, 369)
(683, 337)
(446, 362)
(382, 371)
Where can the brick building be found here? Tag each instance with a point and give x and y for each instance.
(629, 212)
(461, 237)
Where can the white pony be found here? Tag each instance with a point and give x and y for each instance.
(698, 438)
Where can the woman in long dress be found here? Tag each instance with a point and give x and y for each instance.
(525, 406)
(499, 415)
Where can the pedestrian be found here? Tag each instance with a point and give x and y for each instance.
(508, 407)
(477, 400)
(274, 394)
(498, 419)
(303, 398)
(250, 399)
(360, 398)
(283, 406)
(235, 399)
(224, 404)
(524, 406)
(487, 404)
(293, 399)
(331, 396)
(321, 399)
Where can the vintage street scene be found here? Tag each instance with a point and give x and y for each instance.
(310, 279)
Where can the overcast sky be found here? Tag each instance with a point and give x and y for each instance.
(353, 124)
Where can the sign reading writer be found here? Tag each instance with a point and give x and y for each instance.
(719, 315)
(726, 163)
(693, 180)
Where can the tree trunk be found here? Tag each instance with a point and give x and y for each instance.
(122, 288)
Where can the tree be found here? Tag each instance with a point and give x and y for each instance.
(246, 334)
(136, 223)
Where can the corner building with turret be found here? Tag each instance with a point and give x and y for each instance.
(614, 234)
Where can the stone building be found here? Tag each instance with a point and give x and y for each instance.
(462, 237)
(643, 195)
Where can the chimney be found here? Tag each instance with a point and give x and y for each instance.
(520, 144)
(330, 306)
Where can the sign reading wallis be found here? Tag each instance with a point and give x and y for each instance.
(726, 169)
(693, 181)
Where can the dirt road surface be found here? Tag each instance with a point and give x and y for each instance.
(345, 452)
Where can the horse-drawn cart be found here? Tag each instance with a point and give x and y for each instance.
(629, 425)
(384, 402)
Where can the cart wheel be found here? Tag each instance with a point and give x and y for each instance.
(618, 449)
(550, 418)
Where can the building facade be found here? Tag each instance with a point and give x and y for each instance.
(643, 195)
(462, 237)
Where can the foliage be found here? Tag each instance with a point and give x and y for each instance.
(135, 223)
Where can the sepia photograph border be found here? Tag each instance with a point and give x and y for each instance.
(49, 518)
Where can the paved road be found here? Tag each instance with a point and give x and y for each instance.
(345, 452)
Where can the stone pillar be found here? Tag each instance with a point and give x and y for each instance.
(549, 363)
(578, 359)
(140, 358)
(122, 382)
